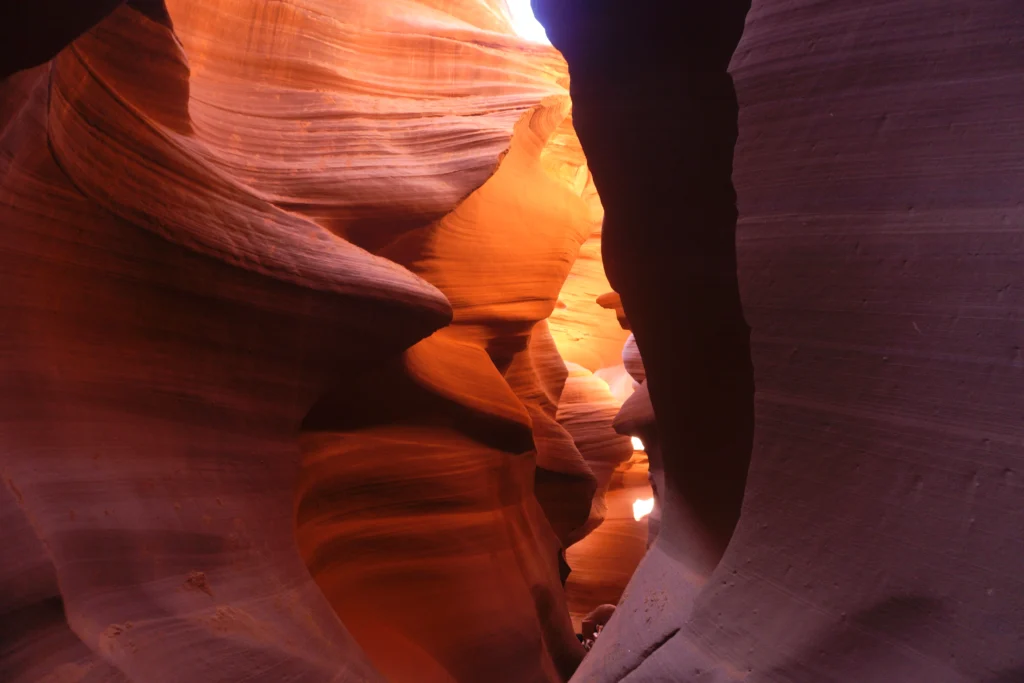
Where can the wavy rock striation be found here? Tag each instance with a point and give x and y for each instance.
(221, 216)
(879, 255)
(417, 514)
(36, 643)
(606, 548)
(165, 358)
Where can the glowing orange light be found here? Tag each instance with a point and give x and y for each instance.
(638, 445)
(642, 507)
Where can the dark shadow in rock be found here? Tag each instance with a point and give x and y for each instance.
(154, 9)
(1014, 675)
(33, 32)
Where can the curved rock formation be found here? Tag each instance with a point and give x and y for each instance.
(636, 419)
(632, 361)
(564, 483)
(587, 333)
(584, 332)
(879, 254)
(417, 517)
(158, 390)
(370, 119)
(183, 208)
(603, 552)
(155, 442)
(276, 280)
(36, 643)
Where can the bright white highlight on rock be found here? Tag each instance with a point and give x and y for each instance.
(525, 24)
(642, 507)
(638, 445)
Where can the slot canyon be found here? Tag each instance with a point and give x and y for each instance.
(469, 341)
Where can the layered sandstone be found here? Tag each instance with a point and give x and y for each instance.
(152, 410)
(191, 196)
(417, 516)
(606, 549)
(281, 400)
(878, 253)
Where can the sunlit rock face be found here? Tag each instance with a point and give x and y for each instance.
(637, 420)
(608, 546)
(564, 482)
(879, 256)
(586, 333)
(280, 397)
(370, 120)
(433, 490)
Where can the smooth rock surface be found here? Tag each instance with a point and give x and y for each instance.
(417, 512)
(185, 192)
(879, 252)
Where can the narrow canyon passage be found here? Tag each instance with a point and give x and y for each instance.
(432, 341)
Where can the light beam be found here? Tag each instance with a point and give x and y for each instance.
(642, 507)
(525, 24)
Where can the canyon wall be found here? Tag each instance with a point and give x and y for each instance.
(280, 394)
(288, 288)
(878, 252)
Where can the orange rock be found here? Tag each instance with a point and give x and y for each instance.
(454, 546)
(606, 550)
(189, 220)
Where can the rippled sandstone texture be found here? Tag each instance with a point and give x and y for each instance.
(176, 300)
(606, 549)
(230, 247)
(432, 489)
(36, 643)
(879, 256)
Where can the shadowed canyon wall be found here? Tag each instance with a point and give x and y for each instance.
(878, 250)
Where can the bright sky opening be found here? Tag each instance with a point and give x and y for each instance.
(525, 24)
(642, 507)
